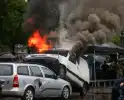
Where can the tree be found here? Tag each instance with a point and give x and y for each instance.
(116, 39)
(12, 23)
(2, 14)
(2, 7)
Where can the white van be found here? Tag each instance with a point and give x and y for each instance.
(77, 73)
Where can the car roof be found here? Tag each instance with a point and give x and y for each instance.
(59, 49)
(42, 57)
(49, 53)
(18, 64)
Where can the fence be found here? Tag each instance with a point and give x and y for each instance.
(102, 83)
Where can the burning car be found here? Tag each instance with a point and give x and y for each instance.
(62, 63)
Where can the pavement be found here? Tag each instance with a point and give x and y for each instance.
(91, 96)
(76, 96)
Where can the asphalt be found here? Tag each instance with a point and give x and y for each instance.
(91, 96)
(76, 96)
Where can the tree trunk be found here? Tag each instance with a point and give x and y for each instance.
(13, 49)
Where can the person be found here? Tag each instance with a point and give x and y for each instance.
(115, 89)
(120, 70)
(105, 66)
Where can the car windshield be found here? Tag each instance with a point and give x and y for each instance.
(6, 70)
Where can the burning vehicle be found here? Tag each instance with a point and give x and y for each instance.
(63, 64)
(81, 22)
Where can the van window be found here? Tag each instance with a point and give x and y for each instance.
(6, 70)
(48, 73)
(35, 71)
(72, 58)
(22, 70)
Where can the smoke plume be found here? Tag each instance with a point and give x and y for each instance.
(42, 15)
(81, 22)
(91, 22)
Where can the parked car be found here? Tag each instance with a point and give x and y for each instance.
(60, 61)
(7, 57)
(29, 81)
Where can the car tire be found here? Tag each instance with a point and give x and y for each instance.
(84, 89)
(65, 93)
(28, 95)
(62, 72)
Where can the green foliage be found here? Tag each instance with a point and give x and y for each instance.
(12, 23)
(2, 8)
(116, 39)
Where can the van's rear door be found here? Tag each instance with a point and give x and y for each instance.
(6, 75)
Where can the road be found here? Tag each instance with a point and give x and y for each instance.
(91, 97)
(87, 97)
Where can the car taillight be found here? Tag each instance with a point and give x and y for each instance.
(16, 81)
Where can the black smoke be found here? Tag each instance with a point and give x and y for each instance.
(42, 15)
(91, 22)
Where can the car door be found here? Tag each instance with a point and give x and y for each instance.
(6, 75)
(37, 76)
(52, 86)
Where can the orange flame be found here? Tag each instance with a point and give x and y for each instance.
(39, 42)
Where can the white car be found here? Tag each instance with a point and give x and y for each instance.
(69, 69)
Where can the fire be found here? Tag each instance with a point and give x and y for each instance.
(39, 42)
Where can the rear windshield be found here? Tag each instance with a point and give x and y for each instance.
(6, 70)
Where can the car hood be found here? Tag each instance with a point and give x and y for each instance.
(63, 81)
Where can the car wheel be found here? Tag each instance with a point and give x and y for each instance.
(62, 72)
(29, 94)
(84, 89)
(65, 93)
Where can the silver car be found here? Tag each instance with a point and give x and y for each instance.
(29, 81)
